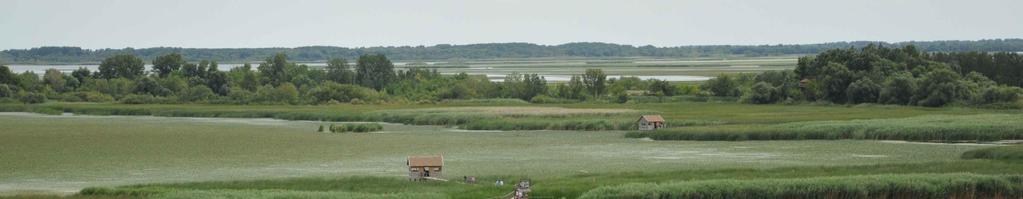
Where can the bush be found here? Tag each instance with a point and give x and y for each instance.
(544, 99)
(6, 91)
(32, 98)
(331, 91)
(355, 127)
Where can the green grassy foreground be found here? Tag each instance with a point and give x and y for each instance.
(927, 186)
(239, 153)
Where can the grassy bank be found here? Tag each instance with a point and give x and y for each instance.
(572, 186)
(349, 187)
(575, 185)
(491, 118)
(870, 186)
(979, 127)
(997, 153)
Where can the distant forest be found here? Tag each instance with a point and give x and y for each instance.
(64, 55)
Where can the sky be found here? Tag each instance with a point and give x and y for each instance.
(363, 23)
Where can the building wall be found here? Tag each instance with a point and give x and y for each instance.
(418, 172)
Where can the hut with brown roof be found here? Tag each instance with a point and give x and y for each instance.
(422, 167)
(650, 122)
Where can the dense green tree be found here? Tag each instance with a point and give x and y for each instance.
(148, 86)
(7, 77)
(595, 81)
(937, 88)
(574, 89)
(374, 71)
(81, 74)
(834, 80)
(898, 89)
(218, 82)
(863, 91)
(166, 64)
(661, 88)
(54, 79)
(6, 91)
(763, 93)
(273, 69)
(723, 85)
(124, 65)
(338, 71)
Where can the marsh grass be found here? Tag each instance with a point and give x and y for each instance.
(998, 153)
(940, 128)
(355, 127)
(310, 187)
(957, 185)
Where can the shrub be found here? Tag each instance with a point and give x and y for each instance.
(342, 93)
(32, 98)
(355, 127)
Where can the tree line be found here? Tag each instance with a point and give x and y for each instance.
(872, 74)
(884, 75)
(56, 55)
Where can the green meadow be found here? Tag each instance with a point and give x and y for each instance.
(275, 151)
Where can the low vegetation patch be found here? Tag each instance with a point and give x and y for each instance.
(355, 127)
(980, 127)
(998, 153)
(870, 186)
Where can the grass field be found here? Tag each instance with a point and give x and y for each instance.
(243, 152)
(65, 153)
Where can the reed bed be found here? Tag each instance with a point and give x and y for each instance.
(924, 186)
(997, 153)
(939, 128)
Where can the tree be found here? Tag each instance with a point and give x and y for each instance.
(166, 64)
(594, 80)
(123, 65)
(7, 77)
(55, 79)
(374, 71)
(863, 91)
(81, 74)
(834, 80)
(273, 69)
(898, 89)
(937, 88)
(217, 81)
(337, 71)
(661, 88)
(763, 93)
(147, 85)
(6, 91)
(574, 89)
(723, 85)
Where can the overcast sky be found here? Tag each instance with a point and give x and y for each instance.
(292, 23)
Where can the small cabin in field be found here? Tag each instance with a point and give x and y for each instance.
(650, 122)
(421, 167)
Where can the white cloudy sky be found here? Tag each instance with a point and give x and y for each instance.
(291, 23)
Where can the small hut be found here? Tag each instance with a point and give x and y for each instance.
(650, 122)
(422, 167)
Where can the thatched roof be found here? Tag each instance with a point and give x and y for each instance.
(425, 161)
(652, 118)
